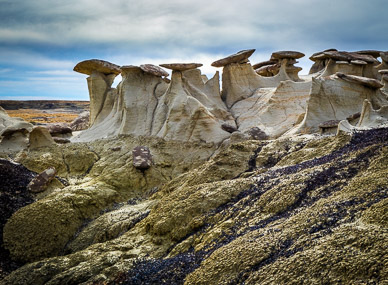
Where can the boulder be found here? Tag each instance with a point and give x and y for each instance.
(239, 57)
(142, 158)
(81, 122)
(58, 129)
(181, 66)
(40, 182)
(96, 65)
(229, 128)
(40, 137)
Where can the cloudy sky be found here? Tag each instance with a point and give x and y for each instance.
(42, 40)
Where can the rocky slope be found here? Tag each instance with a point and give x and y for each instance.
(220, 189)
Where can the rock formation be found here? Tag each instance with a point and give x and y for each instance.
(13, 132)
(274, 179)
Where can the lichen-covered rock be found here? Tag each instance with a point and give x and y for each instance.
(14, 179)
(319, 205)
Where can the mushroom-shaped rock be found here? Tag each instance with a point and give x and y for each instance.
(318, 55)
(264, 63)
(287, 54)
(181, 66)
(154, 70)
(319, 62)
(348, 56)
(142, 158)
(368, 82)
(88, 66)
(374, 53)
(40, 137)
(41, 181)
(239, 57)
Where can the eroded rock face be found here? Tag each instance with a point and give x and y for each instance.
(13, 133)
(235, 193)
(332, 98)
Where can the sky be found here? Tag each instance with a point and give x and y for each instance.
(42, 40)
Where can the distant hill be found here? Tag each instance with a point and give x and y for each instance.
(43, 104)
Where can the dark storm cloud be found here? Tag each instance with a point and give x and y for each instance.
(54, 35)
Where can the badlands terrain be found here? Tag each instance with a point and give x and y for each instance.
(263, 176)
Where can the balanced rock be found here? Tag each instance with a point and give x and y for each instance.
(287, 54)
(368, 82)
(142, 158)
(239, 57)
(41, 181)
(153, 69)
(89, 66)
(319, 62)
(181, 66)
(374, 53)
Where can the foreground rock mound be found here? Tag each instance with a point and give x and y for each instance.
(252, 214)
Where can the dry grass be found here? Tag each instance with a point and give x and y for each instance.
(39, 116)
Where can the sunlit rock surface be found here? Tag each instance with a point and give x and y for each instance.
(275, 178)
